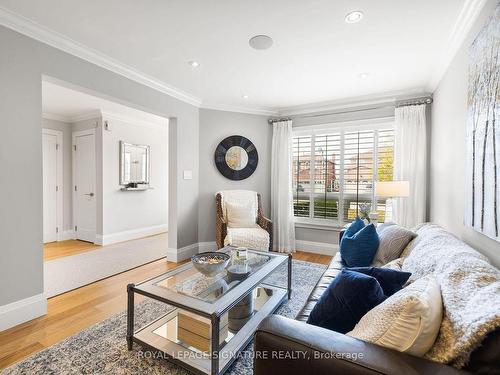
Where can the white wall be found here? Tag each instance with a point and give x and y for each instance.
(447, 165)
(138, 212)
(66, 129)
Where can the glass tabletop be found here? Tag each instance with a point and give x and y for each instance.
(191, 282)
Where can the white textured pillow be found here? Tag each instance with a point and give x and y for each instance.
(393, 240)
(408, 321)
(240, 215)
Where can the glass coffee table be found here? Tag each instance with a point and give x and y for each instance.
(214, 318)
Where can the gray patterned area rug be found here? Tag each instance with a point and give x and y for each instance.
(102, 348)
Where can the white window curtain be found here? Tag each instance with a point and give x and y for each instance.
(281, 188)
(410, 164)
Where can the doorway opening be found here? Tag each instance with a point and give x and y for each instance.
(95, 225)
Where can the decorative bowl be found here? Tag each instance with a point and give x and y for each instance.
(210, 263)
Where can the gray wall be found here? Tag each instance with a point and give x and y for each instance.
(447, 170)
(21, 71)
(66, 129)
(214, 127)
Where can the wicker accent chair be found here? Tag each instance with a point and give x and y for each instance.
(221, 225)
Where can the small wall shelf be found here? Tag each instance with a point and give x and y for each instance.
(141, 188)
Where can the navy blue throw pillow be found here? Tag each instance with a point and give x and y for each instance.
(390, 280)
(356, 225)
(358, 250)
(348, 297)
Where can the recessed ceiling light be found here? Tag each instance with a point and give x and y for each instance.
(261, 42)
(364, 75)
(354, 17)
(194, 64)
(244, 96)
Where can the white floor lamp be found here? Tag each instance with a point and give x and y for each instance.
(391, 190)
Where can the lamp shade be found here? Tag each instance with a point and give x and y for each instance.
(392, 189)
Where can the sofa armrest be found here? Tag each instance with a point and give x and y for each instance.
(286, 346)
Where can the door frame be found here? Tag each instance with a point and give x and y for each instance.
(74, 135)
(59, 179)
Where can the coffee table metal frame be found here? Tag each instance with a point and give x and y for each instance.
(210, 310)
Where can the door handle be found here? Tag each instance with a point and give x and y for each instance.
(89, 194)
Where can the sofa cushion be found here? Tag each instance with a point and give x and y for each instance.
(348, 297)
(408, 321)
(358, 249)
(390, 280)
(393, 240)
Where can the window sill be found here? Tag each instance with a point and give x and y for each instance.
(317, 225)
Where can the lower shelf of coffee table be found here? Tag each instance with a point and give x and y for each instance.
(163, 334)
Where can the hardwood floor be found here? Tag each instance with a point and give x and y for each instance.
(54, 250)
(74, 311)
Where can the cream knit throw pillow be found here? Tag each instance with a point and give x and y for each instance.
(408, 321)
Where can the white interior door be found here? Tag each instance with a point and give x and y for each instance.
(50, 209)
(84, 186)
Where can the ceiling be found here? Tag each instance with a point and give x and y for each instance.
(69, 105)
(316, 55)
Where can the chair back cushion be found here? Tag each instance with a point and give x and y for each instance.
(240, 215)
(240, 197)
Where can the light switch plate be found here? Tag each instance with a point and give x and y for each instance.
(188, 175)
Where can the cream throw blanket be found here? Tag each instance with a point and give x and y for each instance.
(470, 288)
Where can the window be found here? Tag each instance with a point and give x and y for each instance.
(335, 169)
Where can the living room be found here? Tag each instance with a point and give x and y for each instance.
(305, 142)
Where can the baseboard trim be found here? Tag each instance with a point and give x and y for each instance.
(207, 246)
(67, 235)
(186, 252)
(108, 239)
(316, 247)
(22, 311)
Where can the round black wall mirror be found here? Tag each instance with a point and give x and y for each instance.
(236, 157)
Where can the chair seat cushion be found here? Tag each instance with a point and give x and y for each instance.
(348, 297)
(253, 238)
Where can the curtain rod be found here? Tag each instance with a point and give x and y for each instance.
(398, 104)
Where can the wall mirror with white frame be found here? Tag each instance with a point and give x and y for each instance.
(134, 165)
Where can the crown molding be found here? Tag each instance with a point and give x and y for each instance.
(250, 111)
(389, 98)
(55, 117)
(71, 119)
(466, 18)
(54, 39)
(90, 115)
(134, 120)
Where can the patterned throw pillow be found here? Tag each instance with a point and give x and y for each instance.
(408, 321)
(393, 240)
